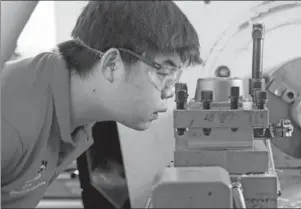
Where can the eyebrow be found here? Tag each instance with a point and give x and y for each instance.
(169, 62)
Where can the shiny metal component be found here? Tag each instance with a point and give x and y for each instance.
(221, 88)
(148, 203)
(258, 36)
(181, 90)
(206, 99)
(234, 97)
(223, 71)
(284, 129)
(296, 112)
(284, 102)
(238, 197)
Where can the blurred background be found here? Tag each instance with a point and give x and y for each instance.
(224, 32)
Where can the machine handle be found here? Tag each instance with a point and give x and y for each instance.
(238, 197)
(148, 203)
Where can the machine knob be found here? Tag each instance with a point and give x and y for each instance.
(234, 97)
(261, 98)
(206, 96)
(234, 91)
(258, 31)
(261, 95)
(181, 86)
(181, 95)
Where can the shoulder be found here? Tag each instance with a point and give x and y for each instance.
(28, 70)
(26, 93)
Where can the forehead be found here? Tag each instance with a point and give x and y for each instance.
(169, 58)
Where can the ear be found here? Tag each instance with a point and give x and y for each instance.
(111, 65)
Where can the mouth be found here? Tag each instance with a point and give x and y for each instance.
(155, 115)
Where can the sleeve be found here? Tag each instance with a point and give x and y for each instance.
(11, 147)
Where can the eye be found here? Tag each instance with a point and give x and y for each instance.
(162, 73)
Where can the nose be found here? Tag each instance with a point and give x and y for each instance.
(167, 93)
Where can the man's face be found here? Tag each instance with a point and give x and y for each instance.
(141, 101)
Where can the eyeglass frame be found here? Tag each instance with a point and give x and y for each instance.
(151, 63)
(157, 66)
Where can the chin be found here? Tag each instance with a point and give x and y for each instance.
(139, 127)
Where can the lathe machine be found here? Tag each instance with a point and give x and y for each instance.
(223, 156)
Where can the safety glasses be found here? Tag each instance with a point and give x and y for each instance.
(165, 76)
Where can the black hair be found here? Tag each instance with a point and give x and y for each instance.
(140, 26)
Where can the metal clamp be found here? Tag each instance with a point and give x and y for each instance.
(281, 90)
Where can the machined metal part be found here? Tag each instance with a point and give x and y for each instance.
(235, 161)
(258, 36)
(284, 103)
(221, 118)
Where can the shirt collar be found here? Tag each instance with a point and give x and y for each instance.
(61, 94)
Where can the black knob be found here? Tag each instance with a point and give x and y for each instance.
(261, 98)
(206, 96)
(261, 95)
(234, 91)
(181, 86)
(234, 97)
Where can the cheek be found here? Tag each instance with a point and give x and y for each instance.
(147, 97)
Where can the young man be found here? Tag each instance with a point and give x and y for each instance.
(121, 66)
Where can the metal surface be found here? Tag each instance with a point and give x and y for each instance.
(193, 187)
(233, 49)
(222, 118)
(215, 130)
(220, 87)
(285, 80)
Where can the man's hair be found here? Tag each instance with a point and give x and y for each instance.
(141, 26)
